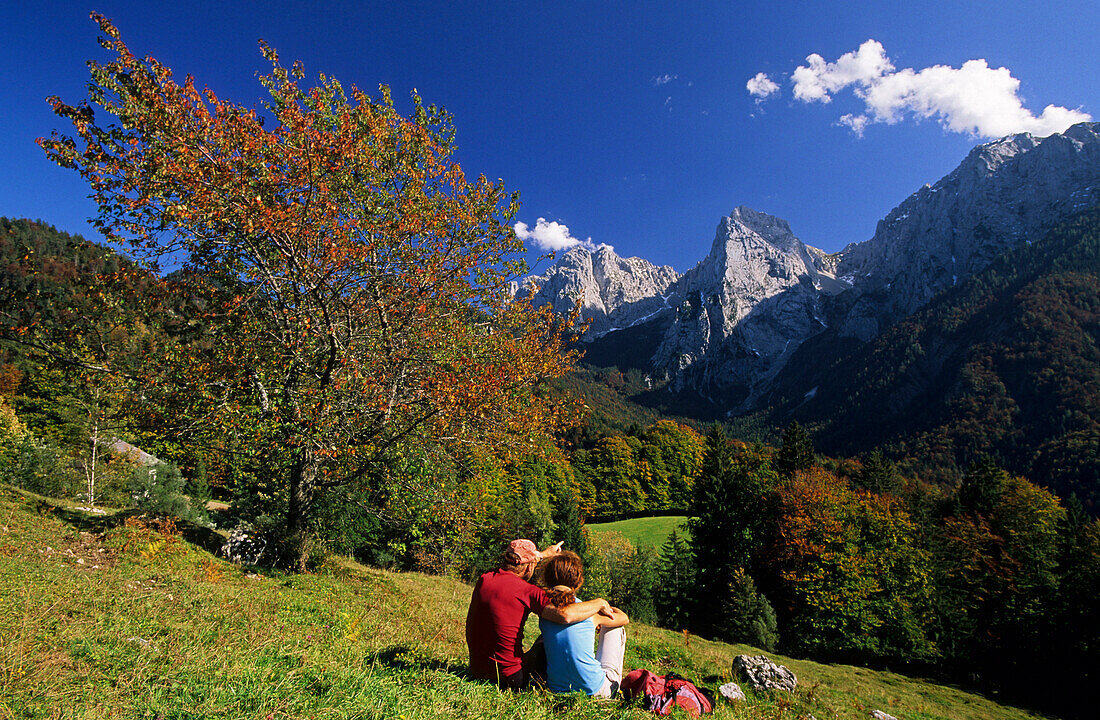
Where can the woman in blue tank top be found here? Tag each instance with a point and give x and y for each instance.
(571, 664)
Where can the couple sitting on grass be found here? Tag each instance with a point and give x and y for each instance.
(504, 598)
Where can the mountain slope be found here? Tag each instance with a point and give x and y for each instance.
(1006, 363)
(743, 311)
(105, 619)
(1002, 194)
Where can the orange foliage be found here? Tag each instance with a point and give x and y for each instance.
(854, 575)
(344, 286)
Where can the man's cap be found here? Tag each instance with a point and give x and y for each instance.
(521, 552)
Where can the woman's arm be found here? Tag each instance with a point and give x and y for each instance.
(617, 619)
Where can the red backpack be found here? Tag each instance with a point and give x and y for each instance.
(661, 693)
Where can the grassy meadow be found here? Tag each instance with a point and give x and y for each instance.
(650, 531)
(122, 617)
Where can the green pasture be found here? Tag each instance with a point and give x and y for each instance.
(650, 531)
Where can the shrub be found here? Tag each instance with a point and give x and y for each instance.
(623, 574)
(30, 464)
(159, 490)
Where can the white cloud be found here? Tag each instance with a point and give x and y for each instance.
(665, 79)
(761, 86)
(551, 236)
(862, 67)
(973, 98)
(855, 122)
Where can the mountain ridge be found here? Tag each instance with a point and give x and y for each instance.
(1007, 363)
(735, 319)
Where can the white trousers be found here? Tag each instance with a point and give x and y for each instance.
(610, 649)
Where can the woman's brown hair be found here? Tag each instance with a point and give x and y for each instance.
(563, 575)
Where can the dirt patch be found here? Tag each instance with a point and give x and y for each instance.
(81, 550)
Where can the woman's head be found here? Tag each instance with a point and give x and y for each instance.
(563, 574)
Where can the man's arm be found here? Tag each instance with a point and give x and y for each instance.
(577, 611)
(553, 550)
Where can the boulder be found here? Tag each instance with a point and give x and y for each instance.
(762, 674)
(732, 692)
(244, 546)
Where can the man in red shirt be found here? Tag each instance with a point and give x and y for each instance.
(501, 602)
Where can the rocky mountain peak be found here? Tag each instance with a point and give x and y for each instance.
(615, 292)
(987, 158)
(772, 229)
(1003, 193)
(745, 306)
(731, 323)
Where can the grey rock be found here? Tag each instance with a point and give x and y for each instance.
(747, 306)
(244, 546)
(1004, 193)
(762, 674)
(614, 292)
(880, 715)
(731, 692)
(731, 323)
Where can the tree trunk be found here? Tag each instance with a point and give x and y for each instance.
(303, 486)
(89, 470)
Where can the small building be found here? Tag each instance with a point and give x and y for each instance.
(132, 453)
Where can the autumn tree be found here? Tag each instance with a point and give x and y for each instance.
(341, 287)
(612, 470)
(997, 573)
(854, 580)
(673, 454)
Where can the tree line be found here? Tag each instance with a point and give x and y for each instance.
(990, 582)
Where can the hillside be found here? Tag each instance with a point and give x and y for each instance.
(121, 617)
(1006, 363)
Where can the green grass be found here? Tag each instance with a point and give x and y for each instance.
(100, 619)
(650, 531)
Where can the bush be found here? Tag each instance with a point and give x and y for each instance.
(159, 490)
(624, 575)
(604, 551)
(32, 465)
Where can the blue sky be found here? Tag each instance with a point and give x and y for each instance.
(631, 124)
